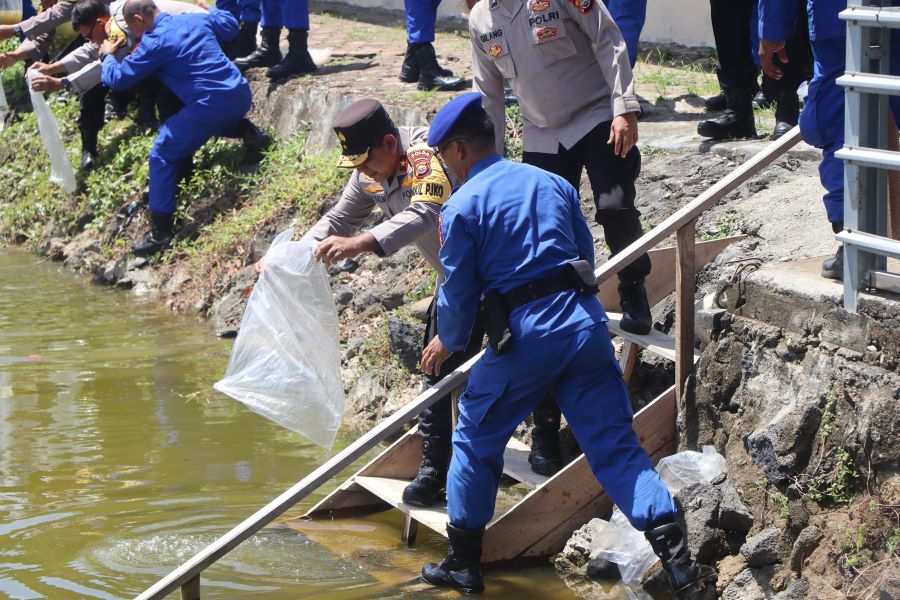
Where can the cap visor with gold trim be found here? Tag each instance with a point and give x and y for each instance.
(359, 126)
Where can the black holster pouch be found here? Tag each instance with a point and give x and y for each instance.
(494, 319)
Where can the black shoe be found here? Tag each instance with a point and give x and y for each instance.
(761, 100)
(245, 42)
(409, 71)
(462, 567)
(544, 457)
(728, 126)
(255, 140)
(636, 317)
(297, 61)
(428, 487)
(162, 229)
(87, 160)
(716, 103)
(431, 75)
(686, 577)
(781, 128)
(833, 268)
(268, 54)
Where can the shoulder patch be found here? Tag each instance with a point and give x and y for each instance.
(583, 5)
(427, 178)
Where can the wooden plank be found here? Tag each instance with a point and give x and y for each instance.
(391, 491)
(628, 359)
(306, 486)
(701, 203)
(660, 282)
(685, 293)
(516, 465)
(540, 524)
(656, 341)
(410, 530)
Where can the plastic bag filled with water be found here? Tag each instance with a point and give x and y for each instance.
(286, 362)
(61, 171)
(4, 106)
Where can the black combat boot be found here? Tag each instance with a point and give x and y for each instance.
(428, 486)
(736, 122)
(462, 567)
(431, 75)
(716, 103)
(686, 576)
(162, 229)
(297, 61)
(787, 113)
(833, 267)
(636, 317)
(245, 42)
(268, 54)
(409, 71)
(545, 458)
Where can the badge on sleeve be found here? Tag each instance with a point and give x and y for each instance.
(583, 5)
(427, 178)
(421, 161)
(495, 50)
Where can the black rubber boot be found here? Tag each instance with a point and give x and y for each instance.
(462, 567)
(686, 576)
(428, 486)
(736, 122)
(162, 229)
(833, 268)
(636, 317)
(245, 42)
(545, 458)
(716, 103)
(787, 113)
(88, 149)
(268, 54)
(431, 75)
(297, 61)
(409, 71)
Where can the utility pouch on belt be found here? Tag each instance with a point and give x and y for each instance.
(494, 318)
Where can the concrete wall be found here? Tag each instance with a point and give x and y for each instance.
(680, 21)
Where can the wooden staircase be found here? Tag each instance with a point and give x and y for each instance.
(539, 524)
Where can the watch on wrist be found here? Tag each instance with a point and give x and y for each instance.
(65, 83)
(18, 31)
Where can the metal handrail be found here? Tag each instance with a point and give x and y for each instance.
(681, 223)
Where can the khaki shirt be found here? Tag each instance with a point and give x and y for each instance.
(565, 60)
(84, 65)
(411, 201)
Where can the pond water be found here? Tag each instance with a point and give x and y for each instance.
(118, 461)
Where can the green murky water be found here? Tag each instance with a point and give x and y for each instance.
(118, 462)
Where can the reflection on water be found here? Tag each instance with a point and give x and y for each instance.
(118, 461)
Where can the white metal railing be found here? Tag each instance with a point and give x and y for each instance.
(867, 83)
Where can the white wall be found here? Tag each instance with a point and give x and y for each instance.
(681, 21)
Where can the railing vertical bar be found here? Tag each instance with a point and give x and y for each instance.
(191, 589)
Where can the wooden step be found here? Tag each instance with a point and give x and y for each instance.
(391, 491)
(516, 465)
(656, 341)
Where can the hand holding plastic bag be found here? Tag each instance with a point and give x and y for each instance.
(286, 362)
(61, 171)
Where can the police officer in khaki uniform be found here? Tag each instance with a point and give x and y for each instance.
(568, 64)
(396, 171)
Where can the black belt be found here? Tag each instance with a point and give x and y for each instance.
(566, 279)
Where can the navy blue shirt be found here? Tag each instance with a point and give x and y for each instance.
(184, 52)
(511, 224)
(777, 19)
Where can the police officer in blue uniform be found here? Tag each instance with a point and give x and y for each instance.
(278, 14)
(629, 15)
(184, 53)
(822, 119)
(517, 252)
(248, 14)
(420, 63)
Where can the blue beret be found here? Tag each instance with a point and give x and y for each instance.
(449, 115)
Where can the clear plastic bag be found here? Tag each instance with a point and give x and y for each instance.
(620, 543)
(4, 106)
(286, 362)
(61, 171)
